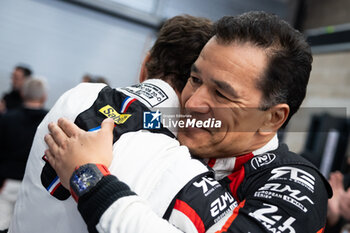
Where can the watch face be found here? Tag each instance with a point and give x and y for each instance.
(84, 179)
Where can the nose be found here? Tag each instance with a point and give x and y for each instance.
(198, 101)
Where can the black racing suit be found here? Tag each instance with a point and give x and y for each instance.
(278, 191)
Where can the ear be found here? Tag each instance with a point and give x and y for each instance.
(276, 116)
(143, 73)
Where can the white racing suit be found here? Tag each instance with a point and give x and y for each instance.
(162, 167)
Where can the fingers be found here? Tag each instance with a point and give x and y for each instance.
(68, 127)
(57, 134)
(53, 147)
(107, 127)
(50, 158)
(336, 180)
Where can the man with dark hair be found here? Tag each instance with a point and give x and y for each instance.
(277, 82)
(89, 104)
(13, 99)
(252, 76)
(289, 57)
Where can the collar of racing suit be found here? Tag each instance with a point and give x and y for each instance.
(169, 103)
(225, 166)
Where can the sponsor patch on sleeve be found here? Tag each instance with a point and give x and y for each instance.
(110, 112)
(150, 93)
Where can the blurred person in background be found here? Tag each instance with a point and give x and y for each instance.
(17, 129)
(339, 205)
(87, 78)
(13, 99)
(100, 79)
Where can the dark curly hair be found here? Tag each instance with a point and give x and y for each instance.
(179, 43)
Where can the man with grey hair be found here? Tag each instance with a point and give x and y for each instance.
(17, 129)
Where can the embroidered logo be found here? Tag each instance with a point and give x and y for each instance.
(262, 160)
(110, 112)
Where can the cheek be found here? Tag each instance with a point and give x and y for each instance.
(186, 93)
(220, 137)
(228, 119)
(243, 120)
(255, 120)
(236, 142)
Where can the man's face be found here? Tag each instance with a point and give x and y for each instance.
(17, 79)
(223, 85)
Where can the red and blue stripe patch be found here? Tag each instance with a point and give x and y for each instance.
(126, 103)
(54, 185)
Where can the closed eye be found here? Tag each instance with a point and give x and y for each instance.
(218, 93)
(195, 81)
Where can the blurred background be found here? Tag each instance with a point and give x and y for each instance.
(65, 41)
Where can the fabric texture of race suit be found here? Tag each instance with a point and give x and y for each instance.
(277, 191)
(162, 167)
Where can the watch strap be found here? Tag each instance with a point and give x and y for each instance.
(103, 169)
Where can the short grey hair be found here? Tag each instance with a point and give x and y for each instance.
(33, 89)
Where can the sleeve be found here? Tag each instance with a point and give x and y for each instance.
(155, 166)
(285, 199)
(203, 205)
(112, 207)
(69, 105)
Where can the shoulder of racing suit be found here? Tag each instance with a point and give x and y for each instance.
(128, 115)
(127, 112)
(279, 164)
(278, 191)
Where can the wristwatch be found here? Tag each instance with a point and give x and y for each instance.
(85, 177)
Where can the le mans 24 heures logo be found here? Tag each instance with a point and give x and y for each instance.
(154, 120)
